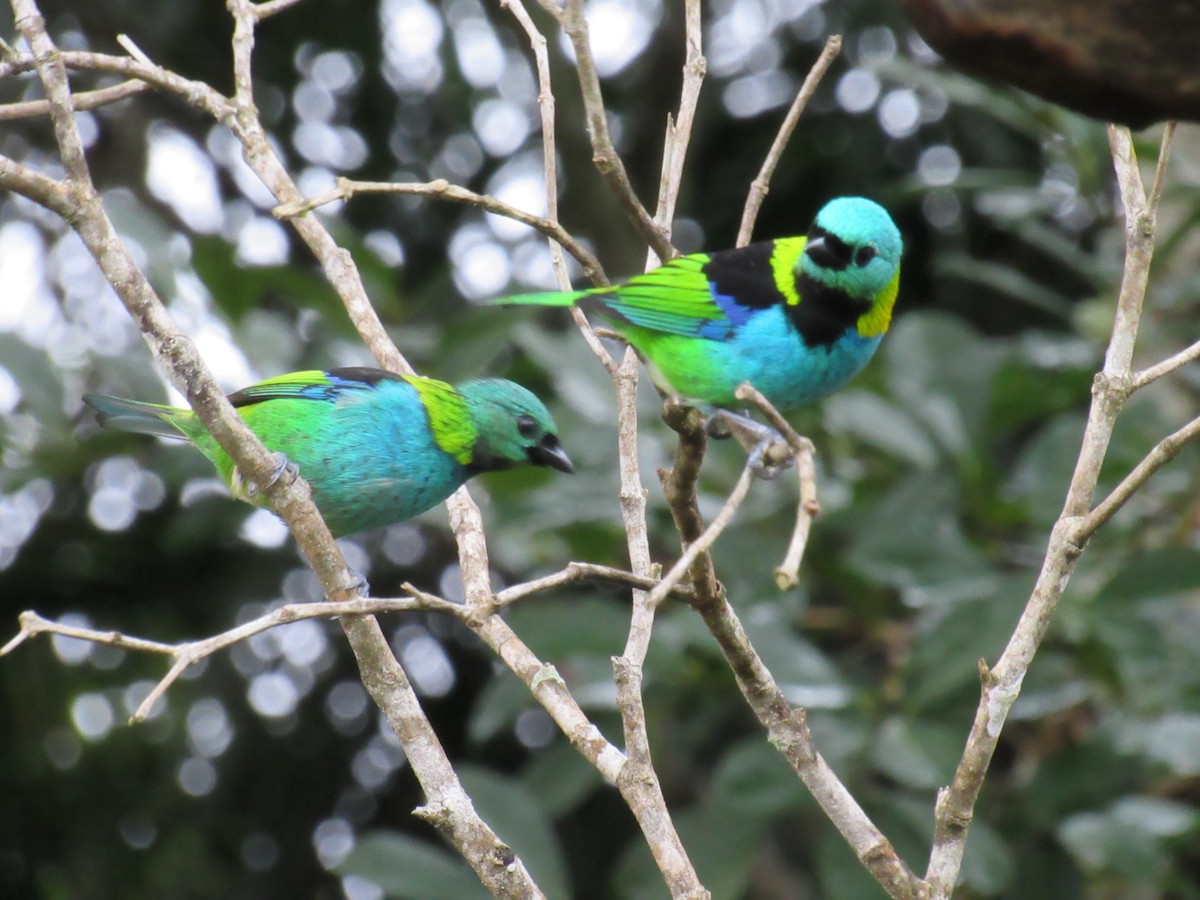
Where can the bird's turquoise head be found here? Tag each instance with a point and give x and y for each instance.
(513, 427)
(853, 246)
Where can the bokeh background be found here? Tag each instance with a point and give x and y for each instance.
(267, 772)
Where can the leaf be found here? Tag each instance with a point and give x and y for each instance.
(841, 875)
(880, 424)
(515, 813)
(917, 754)
(411, 869)
(497, 706)
(754, 779)
(1172, 740)
(721, 842)
(1154, 575)
(950, 640)
(1043, 470)
(912, 539)
(1099, 842)
(577, 626)
(562, 778)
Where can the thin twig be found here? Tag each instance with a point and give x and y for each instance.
(1167, 366)
(719, 523)
(761, 185)
(679, 128)
(578, 571)
(608, 162)
(87, 100)
(787, 574)
(1162, 453)
(1160, 167)
(271, 7)
(444, 190)
(639, 783)
(537, 41)
(635, 777)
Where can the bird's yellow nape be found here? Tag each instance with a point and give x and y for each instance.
(875, 321)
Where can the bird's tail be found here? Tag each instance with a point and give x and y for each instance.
(546, 298)
(136, 416)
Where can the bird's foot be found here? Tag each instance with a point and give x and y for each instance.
(283, 466)
(357, 585)
(769, 451)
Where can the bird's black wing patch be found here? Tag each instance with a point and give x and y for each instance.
(745, 275)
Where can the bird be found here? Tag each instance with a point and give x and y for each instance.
(796, 316)
(375, 447)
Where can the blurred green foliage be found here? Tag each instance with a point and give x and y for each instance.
(941, 469)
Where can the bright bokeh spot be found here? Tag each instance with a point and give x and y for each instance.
(93, 716)
(264, 529)
(521, 185)
(857, 90)
(181, 175)
(480, 56)
(620, 30)
(900, 113)
(412, 36)
(939, 165)
(333, 840)
(22, 264)
(481, 266)
(502, 126)
(262, 242)
(273, 694)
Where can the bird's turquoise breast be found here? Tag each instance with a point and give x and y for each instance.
(765, 351)
(369, 456)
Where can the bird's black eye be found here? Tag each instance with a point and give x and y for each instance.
(526, 427)
(865, 255)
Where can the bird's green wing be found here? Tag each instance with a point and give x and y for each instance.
(698, 295)
(675, 298)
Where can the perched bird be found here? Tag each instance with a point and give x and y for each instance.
(375, 447)
(796, 317)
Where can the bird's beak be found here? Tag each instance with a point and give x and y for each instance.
(552, 455)
(818, 250)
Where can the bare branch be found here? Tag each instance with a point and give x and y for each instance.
(1160, 167)
(579, 571)
(449, 809)
(786, 726)
(537, 42)
(41, 189)
(679, 129)
(1002, 684)
(1164, 451)
(639, 783)
(761, 185)
(719, 523)
(1166, 367)
(787, 574)
(88, 100)
(444, 190)
(604, 154)
(270, 8)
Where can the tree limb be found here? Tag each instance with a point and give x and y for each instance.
(1002, 683)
